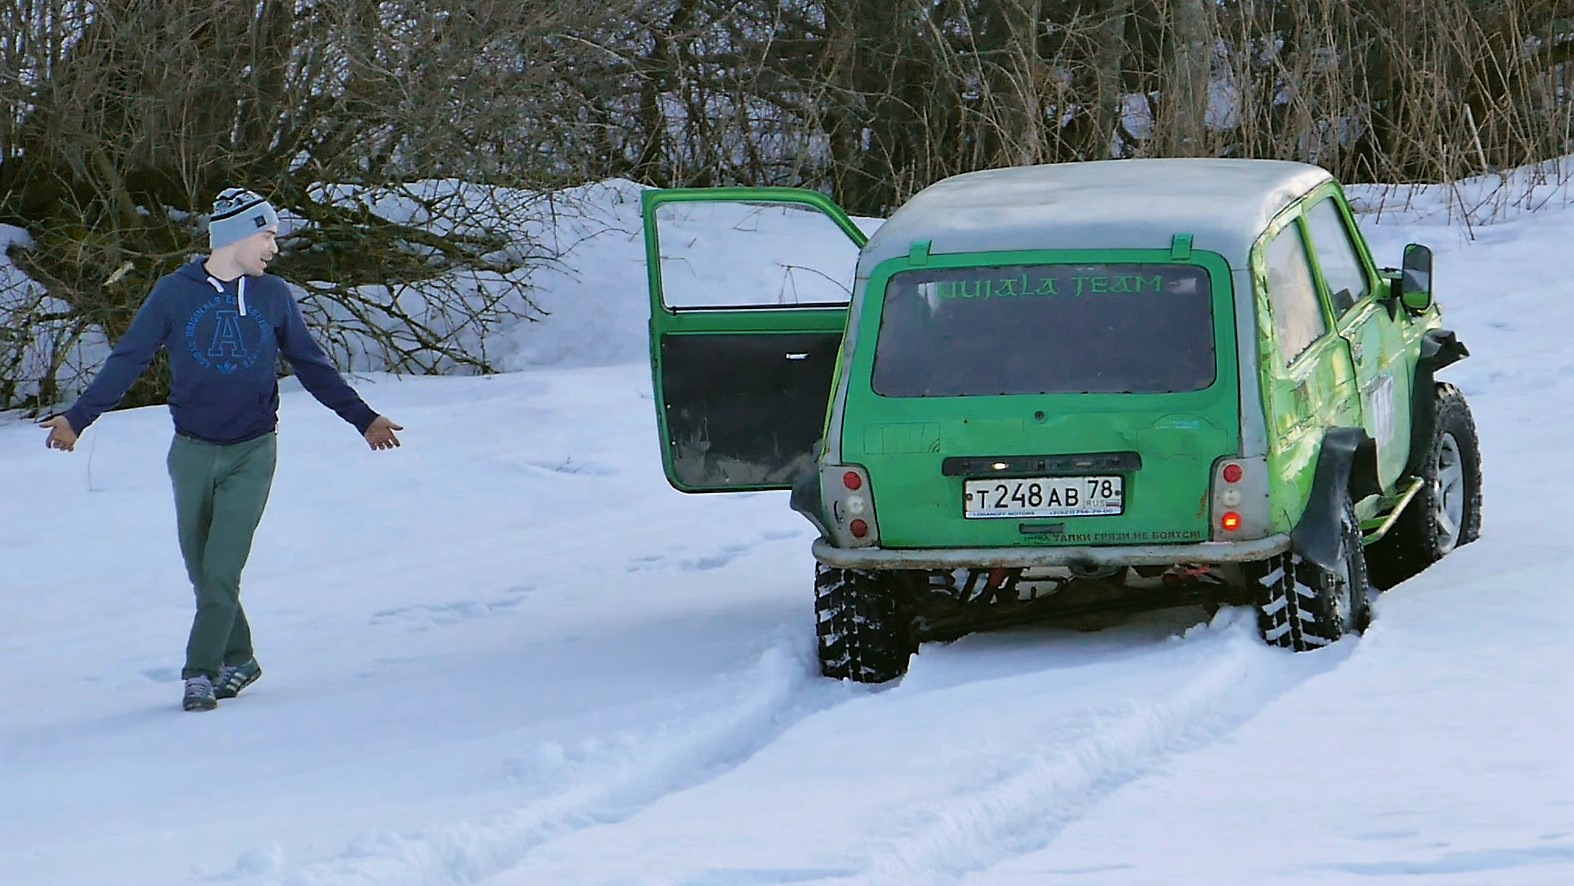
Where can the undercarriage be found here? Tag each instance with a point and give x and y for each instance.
(946, 604)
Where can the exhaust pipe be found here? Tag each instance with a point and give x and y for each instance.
(1093, 570)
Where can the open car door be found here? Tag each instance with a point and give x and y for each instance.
(749, 290)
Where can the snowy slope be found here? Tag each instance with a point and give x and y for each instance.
(508, 653)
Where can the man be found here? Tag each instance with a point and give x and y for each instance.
(224, 322)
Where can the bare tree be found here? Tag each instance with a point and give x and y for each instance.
(120, 118)
(1183, 125)
(130, 114)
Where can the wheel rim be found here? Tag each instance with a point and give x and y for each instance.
(1339, 581)
(1341, 601)
(1344, 581)
(1448, 494)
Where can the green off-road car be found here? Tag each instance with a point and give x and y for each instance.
(1061, 390)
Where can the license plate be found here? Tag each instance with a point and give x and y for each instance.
(1044, 497)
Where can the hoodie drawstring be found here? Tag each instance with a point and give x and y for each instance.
(240, 291)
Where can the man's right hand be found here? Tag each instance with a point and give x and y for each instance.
(61, 436)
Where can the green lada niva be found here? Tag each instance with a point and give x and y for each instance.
(1065, 390)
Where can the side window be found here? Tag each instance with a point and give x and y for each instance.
(1292, 296)
(1337, 256)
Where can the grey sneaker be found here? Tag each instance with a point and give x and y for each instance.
(199, 694)
(234, 678)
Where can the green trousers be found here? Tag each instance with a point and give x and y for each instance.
(220, 494)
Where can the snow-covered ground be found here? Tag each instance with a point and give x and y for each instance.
(509, 653)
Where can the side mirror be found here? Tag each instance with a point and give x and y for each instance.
(1415, 278)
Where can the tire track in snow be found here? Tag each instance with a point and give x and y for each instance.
(1025, 811)
(749, 709)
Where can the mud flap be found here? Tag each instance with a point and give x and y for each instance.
(1439, 348)
(805, 497)
(1346, 468)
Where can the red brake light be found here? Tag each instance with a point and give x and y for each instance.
(859, 528)
(1233, 473)
(1230, 522)
(852, 481)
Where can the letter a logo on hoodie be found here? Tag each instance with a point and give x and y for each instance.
(226, 350)
(226, 336)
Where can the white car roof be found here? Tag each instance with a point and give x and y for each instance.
(1105, 204)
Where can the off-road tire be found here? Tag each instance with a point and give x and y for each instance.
(1446, 512)
(1302, 606)
(863, 624)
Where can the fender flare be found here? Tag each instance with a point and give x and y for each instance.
(1439, 348)
(1346, 468)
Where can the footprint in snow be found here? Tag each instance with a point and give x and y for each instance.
(570, 466)
(424, 615)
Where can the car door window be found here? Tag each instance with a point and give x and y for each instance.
(1341, 264)
(1292, 296)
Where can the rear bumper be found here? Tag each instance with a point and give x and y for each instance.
(1083, 556)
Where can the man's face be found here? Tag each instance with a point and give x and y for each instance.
(254, 252)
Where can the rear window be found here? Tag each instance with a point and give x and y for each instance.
(1046, 329)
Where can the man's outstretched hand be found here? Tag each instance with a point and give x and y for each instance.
(61, 436)
(379, 434)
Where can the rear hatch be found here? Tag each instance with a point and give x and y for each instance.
(1033, 399)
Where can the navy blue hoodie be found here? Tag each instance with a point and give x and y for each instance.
(224, 341)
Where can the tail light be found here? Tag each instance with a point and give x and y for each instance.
(849, 506)
(1240, 498)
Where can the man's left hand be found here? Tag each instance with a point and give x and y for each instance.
(61, 435)
(380, 433)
